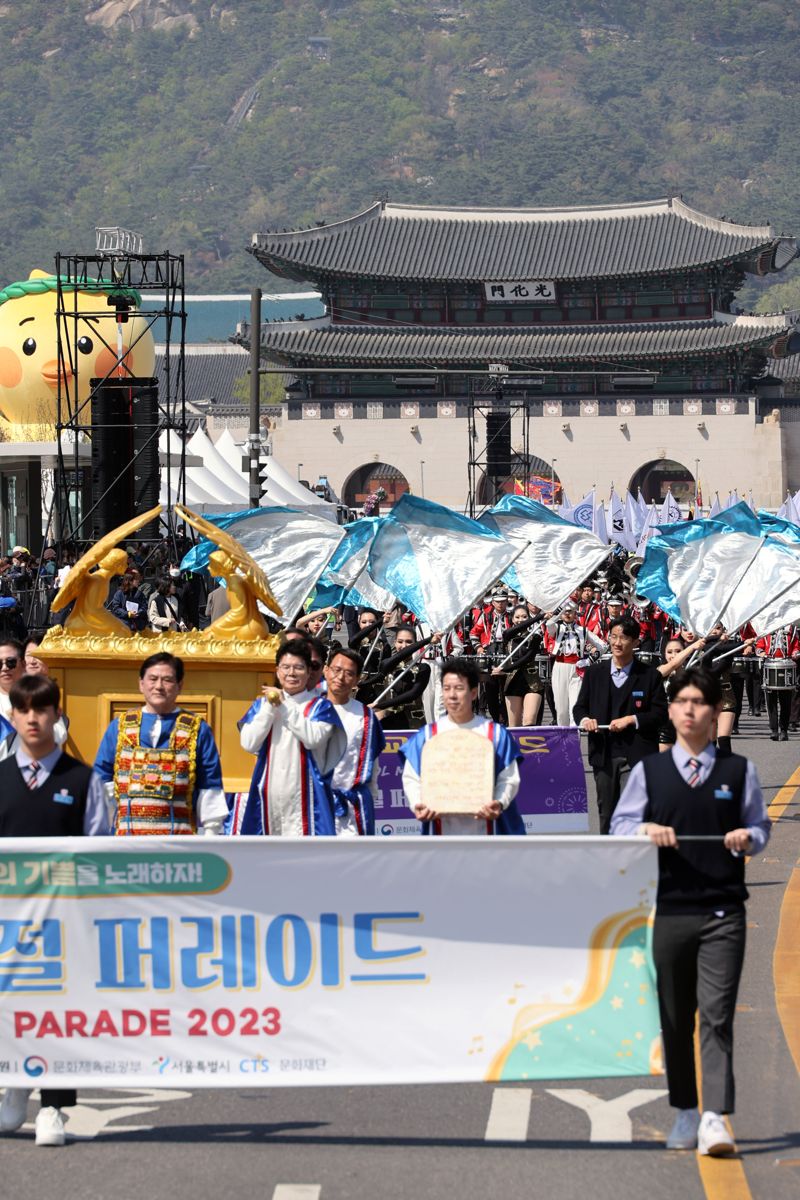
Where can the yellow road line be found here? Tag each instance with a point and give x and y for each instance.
(784, 796)
(724, 1178)
(786, 957)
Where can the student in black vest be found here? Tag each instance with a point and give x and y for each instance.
(699, 929)
(628, 697)
(44, 793)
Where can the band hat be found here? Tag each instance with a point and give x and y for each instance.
(499, 594)
(615, 600)
(20, 550)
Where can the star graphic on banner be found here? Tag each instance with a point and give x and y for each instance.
(617, 1002)
(637, 959)
(532, 1040)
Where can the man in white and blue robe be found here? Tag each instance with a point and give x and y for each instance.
(355, 776)
(298, 738)
(501, 815)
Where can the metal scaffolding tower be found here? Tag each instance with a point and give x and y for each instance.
(119, 274)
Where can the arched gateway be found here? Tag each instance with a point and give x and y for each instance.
(657, 478)
(366, 480)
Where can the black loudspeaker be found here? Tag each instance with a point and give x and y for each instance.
(498, 444)
(125, 466)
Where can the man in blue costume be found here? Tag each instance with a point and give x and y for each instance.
(298, 739)
(160, 763)
(355, 776)
(499, 816)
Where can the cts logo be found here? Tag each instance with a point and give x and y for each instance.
(34, 1066)
(387, 829)
(254, 1066)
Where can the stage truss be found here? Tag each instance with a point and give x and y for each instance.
(159, 278)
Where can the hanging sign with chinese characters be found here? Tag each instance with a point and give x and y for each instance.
(514, 291)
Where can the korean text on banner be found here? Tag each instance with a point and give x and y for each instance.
(278, 962)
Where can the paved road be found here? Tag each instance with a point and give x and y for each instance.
(601, 1139)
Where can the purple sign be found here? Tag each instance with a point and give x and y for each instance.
(552, 793)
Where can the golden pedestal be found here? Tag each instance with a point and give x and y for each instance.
(99, 678)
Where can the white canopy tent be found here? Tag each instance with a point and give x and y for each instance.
(215, 481)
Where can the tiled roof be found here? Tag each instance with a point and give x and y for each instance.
(396, 241)
(437, 345)
(210, 371)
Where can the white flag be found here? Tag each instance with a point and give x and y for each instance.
(716, 507)
(634, 520)
(620, 531)
(648, 529)
(583, 512)
(670, 510)
(599, 526)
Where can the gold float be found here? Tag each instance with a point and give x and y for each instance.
(95, 658)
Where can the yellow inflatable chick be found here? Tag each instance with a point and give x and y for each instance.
(29, 367)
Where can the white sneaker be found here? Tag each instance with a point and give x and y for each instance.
(683, 1135)
(713, 1136)
(14, 1109)
(50, 1127)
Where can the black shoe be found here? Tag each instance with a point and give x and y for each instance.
(784, 735)
(736, 728)
(794, 727)
(773, 737)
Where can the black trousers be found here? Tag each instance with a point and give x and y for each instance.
(779, 705)
(609, 780)
(59, 1097)
(698, 959)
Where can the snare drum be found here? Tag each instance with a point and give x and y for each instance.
(544, 667)
(746, 665)
(780, 674)
(650, 658)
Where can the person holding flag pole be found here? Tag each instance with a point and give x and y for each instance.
(704, 811)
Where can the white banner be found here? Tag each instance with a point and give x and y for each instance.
(248, 961)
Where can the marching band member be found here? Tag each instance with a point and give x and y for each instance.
(298, 738)
(523, 688)
(486, 636)
(567, 643)
(785, 643)
(355, 776)
(399, 708)
(460, 682)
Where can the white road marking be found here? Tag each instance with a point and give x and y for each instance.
(87, 1119)
(509, 1115)
(609, 1119)
(297, 1191)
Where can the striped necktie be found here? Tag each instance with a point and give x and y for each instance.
(693, 765)
(33, 774)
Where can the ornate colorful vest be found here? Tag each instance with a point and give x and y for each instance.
(154, 788)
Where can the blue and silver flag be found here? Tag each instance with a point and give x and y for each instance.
(555, 554)
(436, 561)
(730, 569)
(290, 546)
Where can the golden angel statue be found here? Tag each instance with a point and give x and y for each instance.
(89, 588)
(245, 580)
